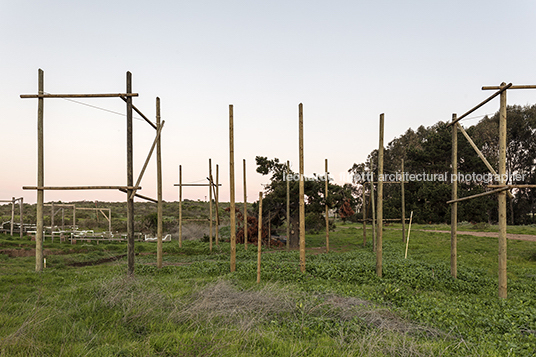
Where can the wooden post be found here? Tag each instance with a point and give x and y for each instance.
(52, 217)
(232, 187)
(327, 209)
(180, 206)
(364, 217)
(409, 231)
(403, 198)
(21, 209)
(159, 229)
(62, 219)
(39, 262)
(12, 215)
(217, 205)
(269, 229)
(259, 240)
(302, 202)
(380, 203)
(454, 206)
(130, 181)
(373, 212)
(502, 197)
(245, 210)
(288, 206)
(110, 221)
(210, 201)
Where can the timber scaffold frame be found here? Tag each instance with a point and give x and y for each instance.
(130, 189)
(13, 201)
(501, 189)
(213, 191)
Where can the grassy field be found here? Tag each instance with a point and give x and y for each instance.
(195, 307)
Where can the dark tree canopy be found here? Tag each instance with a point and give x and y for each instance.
(428, 150)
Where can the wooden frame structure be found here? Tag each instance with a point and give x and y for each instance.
(502, 187)
(13, 201)
(130, 188)
(212, 189)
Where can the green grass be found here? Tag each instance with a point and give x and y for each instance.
(194, 306)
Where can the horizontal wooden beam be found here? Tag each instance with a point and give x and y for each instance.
(193, 184)
(478, 195)
(512, 87)
(103, 95)
(501, 89)
(91, 209)
(80, 188)
(59, 205)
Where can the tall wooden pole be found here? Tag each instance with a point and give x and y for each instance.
(454, 206)
(21, 209)
(159, 229)
(288, 206)
(364, 217)
(12, 215)
(130, 180)
(403, 198)
(372, 200)
(39, 259)
(259, 240)
(380, 203)
(232, 187)
(180, 206)
(217, 205)
(245, 210)
(302, 202)
(327, 209)
(210, 201)
(52, 215)
(502, 197)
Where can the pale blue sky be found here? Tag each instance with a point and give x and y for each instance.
(346, 61)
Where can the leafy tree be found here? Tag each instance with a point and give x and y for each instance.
(275, 199)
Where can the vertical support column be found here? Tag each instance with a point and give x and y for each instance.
(180, 206)
(364, 217)
(288, 206)
(39, 259)
(159, 229)
(454, 206)
(232, 187)
(52, 215)
(327, 209)
(373, 200)
(74, 217)
(12, 215)
(245, 209)
(403, 198)
(502, 197)
(380, 203)
(62, 219)
(302, 194)
(130, 181)
(210, 201)
(21, 210)
(110, 221)
(259, 240)
(217, 204)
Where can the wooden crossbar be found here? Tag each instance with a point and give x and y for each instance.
(103, 95)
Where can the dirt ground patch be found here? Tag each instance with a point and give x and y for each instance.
(17, 253)
(526, 237)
